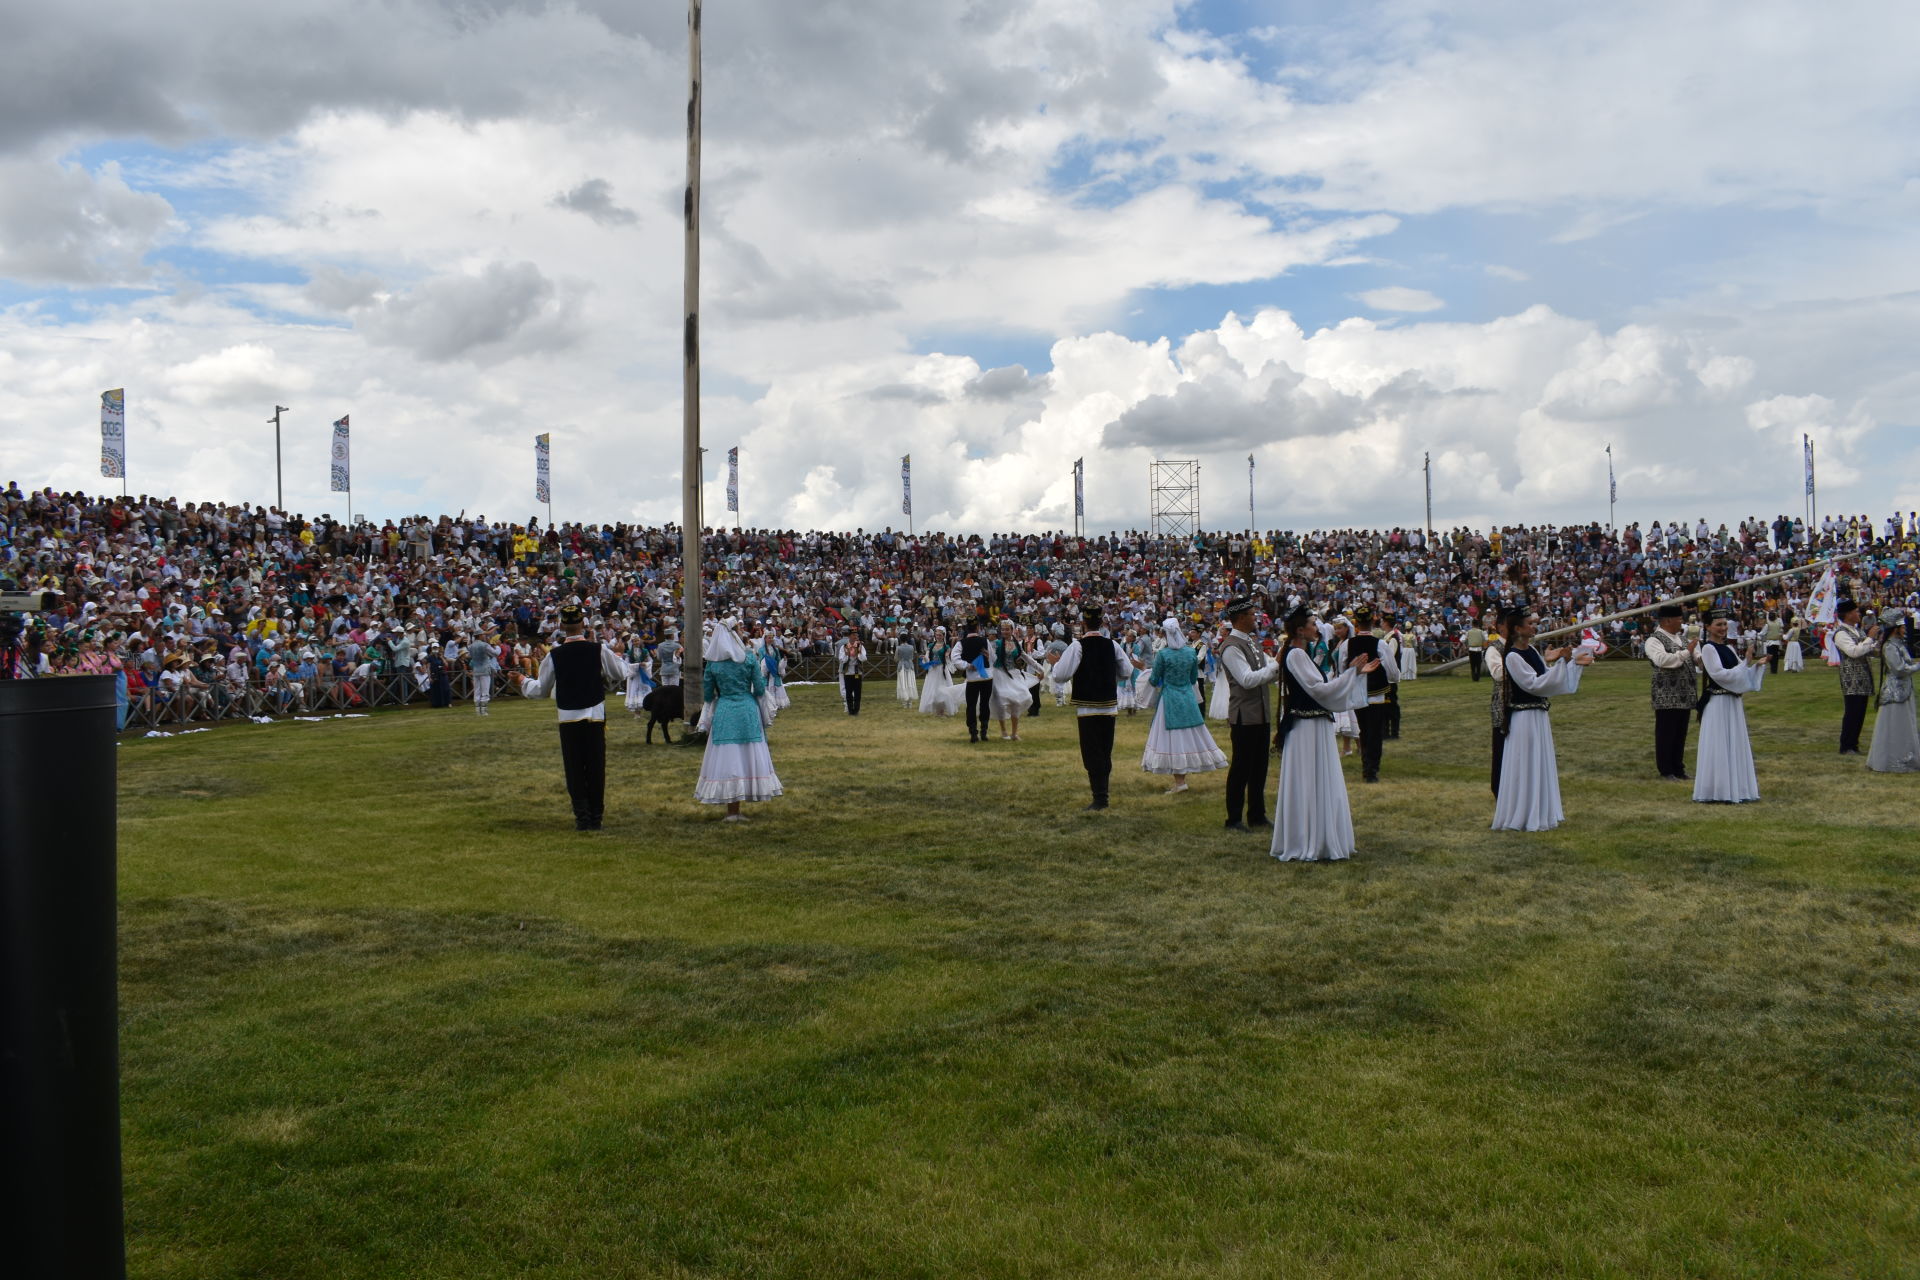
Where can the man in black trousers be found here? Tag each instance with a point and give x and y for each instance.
(1092, 667)
(1248, 672)
(1373, 718)
(852, 655)
(576, 672)
(1674, 690)
(973, 645)
(1856, 673)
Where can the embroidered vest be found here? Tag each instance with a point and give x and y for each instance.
(1519, 699)
(1246, 706)
(1672, 686)
(1094, 682)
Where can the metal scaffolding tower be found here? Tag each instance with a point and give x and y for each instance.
(1174, 497)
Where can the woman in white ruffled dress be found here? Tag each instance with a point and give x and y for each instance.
(1723, 766)
(906, 658)
(1178, 742)
(736, 767)
(1796, 657)
(936, 690)
(1333, 660)
(1312, 821)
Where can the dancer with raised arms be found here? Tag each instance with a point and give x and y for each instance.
(1313, 822)
(1529, 796)
(1723, 769)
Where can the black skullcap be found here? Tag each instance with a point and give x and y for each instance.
(572, 615)
(1515, 613)
(1297, 619)
(1238, 605)
(1669, 611)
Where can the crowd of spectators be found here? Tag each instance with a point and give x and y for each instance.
(214, 609)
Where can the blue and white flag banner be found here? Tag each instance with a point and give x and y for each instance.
(1820, 605)
(1806, 446)
(342, 463)
(906, 485)
(1080, 488)
(543, 467)
(113, 433)
(733, 479)
(1613, 488)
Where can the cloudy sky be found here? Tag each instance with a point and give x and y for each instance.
(995, 234)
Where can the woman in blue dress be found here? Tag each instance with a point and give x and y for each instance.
(1178, 742)
(737, 766)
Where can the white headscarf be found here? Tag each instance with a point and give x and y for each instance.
(1176, 634)
(723, 645)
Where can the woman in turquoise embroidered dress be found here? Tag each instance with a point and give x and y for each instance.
(737, 766)
(1178, 742)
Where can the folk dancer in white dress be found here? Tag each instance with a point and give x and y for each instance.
(1007, 663)
(777, 671)
(1177, 741)
(1313, 821)
(1854, 647)
(1723, 766)
(737, 767)
(1896, 742)
(1346, 725)
(1529, 795)
(1796, 659)
(938, 696)
(639, 677)
(906, 660)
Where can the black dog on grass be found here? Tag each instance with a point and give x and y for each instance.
(663, 706)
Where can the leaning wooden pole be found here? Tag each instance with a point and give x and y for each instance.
(1722, 589)
(690, 635)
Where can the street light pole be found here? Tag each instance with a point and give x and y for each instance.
(279, 493)
(691, 516)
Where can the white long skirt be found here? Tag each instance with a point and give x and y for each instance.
(906, 687)
(1127, 700)
(1723, 765)
(1529, 776)
(1346, 724)
(1012, 693)
(1180, 750)
(1311, 819)
(1896, 742)
(780, 699)
(933, 693)
(731, 771)
(1796, 659)
(769, 704)
(1409, 663)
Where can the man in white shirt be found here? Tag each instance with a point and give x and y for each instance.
(1093, 667)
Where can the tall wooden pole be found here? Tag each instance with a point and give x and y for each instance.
(690, 637)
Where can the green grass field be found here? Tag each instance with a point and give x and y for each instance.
(387, 1015)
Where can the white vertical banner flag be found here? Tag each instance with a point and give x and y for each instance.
(733, 479)
(906, 485)
(1820, 605)
(1613, 489)
(113, 433)
(543, 467)
(1806, 449)
(1080, 488)
(342, 463)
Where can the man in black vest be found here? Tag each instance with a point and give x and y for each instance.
(1092, 667)
(576, 672)
(979, 687)
(1373, 717)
